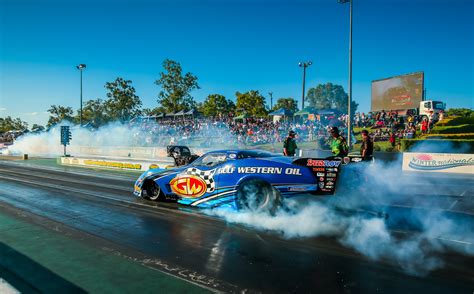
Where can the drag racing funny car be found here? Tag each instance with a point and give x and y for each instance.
(240, 179)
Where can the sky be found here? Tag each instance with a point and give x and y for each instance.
(230, 46)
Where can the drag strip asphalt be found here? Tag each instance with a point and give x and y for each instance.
(225, 257)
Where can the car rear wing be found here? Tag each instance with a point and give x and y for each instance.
(325, 170)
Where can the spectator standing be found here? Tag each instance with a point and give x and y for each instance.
(424, 126)
(289, 145)
(392, 139)
(338, 145)
(441, 115)
(367, 147)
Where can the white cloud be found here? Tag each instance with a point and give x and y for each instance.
(2, 109)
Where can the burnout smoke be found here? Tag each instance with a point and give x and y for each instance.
(118, 135)
(355, 216)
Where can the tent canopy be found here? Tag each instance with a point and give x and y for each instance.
(306, 111)
(282, 112)
(191, 112)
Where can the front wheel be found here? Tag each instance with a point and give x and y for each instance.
(152, 191)
(258, 196)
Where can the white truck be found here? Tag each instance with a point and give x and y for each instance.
(426, 107)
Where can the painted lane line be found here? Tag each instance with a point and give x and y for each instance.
(65, 179)
(6, 288)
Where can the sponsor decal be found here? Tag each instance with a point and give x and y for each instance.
(297, 189)
(321, 185)
(332, 169)
(321, 179)
(319, 169)
(226, 170)
(265, 170)
(136, 188)
(356, 159)
(323, 163)
(331, 175)
(320, 174)
(188, 186)
(428, 162)
(347, 160)
(206, 175)
(153, 165)
(330, 183)
(331, 179)
(232, 156)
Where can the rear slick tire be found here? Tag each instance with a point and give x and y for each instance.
(258, 196)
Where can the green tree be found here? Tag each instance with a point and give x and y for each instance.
(175, 94)
(252, 103)
(122, 103)
(288, 103)
(330, 96)
(59, 113)
(10, 124)
(465, 112)
(94, 113)
(216, 104)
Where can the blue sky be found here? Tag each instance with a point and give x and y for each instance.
(230, 46)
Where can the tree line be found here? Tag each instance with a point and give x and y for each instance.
(122, 103)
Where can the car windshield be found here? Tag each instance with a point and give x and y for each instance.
(210, 159)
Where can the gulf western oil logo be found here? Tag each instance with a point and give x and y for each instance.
(188, 186)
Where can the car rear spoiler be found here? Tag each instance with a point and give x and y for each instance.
(325, 170)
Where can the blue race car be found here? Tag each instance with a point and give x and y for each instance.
(240, 179)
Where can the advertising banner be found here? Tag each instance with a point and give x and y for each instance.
(398, 93)
(438, 162)
(117, 164)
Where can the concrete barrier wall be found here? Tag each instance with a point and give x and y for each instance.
(143, 153)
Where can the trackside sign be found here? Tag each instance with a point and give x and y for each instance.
(438, 162)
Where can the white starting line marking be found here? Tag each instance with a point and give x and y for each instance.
(6, 288)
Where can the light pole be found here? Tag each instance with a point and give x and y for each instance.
(81, 67)
(304, 65)
(271, 100)
(349, 98)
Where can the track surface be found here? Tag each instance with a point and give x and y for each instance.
(212, 253)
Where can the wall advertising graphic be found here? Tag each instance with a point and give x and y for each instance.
(438, 162)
